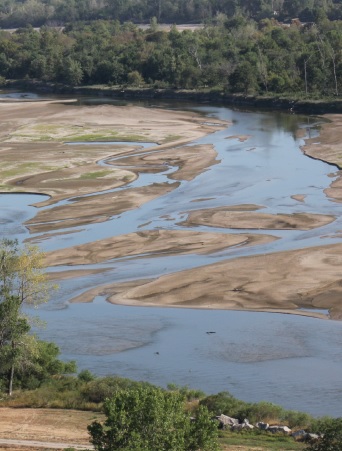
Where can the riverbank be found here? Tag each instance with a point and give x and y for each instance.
(271, 102)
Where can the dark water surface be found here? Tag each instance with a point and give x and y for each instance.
(290, 360)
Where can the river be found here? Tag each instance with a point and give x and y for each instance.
(289, 360)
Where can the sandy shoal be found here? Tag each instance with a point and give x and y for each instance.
(242, 217)
(35, 159)
(151, 242)
(281, 282)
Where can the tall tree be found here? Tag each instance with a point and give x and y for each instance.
(22, 281)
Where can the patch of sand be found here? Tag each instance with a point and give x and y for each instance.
(241, 138)
(299, 197)
(151, 242)
(280, 282)
(96, 208)
(190, 161)
(242, 217)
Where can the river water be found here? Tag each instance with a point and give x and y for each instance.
(290, 360)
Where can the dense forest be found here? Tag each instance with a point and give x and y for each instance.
(233, 55)
(17, 13)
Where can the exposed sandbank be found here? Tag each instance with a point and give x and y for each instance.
(280, 282)
(236, 217)
(151, 242)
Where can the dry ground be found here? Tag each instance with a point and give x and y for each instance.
(46, 425)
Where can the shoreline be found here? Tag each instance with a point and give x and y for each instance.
(307, 106)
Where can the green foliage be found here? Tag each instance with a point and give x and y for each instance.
(232, 54)
(99, 389)
(150, 419)
(24, 360)
(189, 394)
(86, 376)
(224, 403)
(331, 439)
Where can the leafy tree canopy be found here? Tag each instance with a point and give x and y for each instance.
(146, 418)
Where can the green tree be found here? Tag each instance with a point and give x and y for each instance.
(22, 281)
(147, 418)
(13, 333)
(73, 73)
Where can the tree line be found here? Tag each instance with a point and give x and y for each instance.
(233, 55)
(18, 13)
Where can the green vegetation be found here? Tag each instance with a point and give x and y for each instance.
(331, 431)
(95, 175)
(259, 440)
(148, 418)
(235, 53)
(25, 361)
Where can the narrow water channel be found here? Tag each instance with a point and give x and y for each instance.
(289, 360)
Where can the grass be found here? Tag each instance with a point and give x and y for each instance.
(72, 133)
(22, 169)
(170, 138)
(95, 175)
(259, 440)
(103, 137)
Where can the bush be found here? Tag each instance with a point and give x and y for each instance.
(331, 439)
(225, 403)
(146, 418)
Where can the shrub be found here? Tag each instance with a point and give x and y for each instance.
(146, 418)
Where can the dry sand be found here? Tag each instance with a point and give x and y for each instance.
(236, 217)
(280, 282)
(153, 243)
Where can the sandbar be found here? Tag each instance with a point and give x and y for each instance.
(151, 242)
(284, 282)
(238, 217)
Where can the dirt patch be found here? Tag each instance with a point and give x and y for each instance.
(50, 425)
